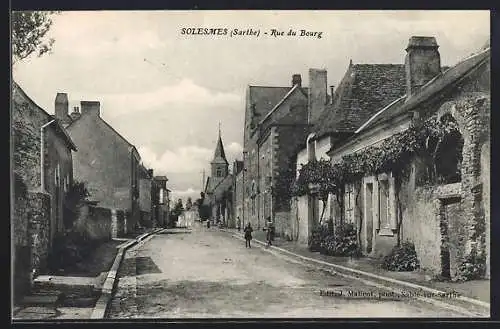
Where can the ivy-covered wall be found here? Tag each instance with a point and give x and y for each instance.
(427, 210)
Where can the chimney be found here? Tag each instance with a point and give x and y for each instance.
(317, 94)
(75, 115)
(422, 63)
(296, 80)
(332, 90)
(91, 107)
(61, 107)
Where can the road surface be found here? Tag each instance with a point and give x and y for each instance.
(205, 273)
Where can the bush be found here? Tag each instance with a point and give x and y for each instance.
(346, 241)
(317, 236)
(402, 258)
(473, 267)
(69, 248)
(343, 242)
(328, 245)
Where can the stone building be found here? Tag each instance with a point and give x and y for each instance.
(147, 218)
(43, 171)
(238, 177)
(276, 122)
(363, 90)
(106, 161)
(438, 199)
(160, 200)
(219, 186)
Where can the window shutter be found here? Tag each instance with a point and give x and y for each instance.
(376, 204)
(392, 204)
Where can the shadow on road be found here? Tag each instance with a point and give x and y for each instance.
(145, 265)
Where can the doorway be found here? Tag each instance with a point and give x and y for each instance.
(449, 225)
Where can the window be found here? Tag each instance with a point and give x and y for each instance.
(349, 203)
(219, 172)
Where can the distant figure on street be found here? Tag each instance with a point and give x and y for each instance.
(270, 231)
(208, 223)
(248, 235)
(238, 223)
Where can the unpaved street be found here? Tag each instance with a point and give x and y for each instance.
(207, 273)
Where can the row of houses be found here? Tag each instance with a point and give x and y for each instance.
(50, 153)
(439, 200)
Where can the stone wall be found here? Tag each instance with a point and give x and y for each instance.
(26, 122)
(58, 177)
(485, 174)
(21, 250)
(94, 222)
(118, 224)
(145, 194)
(299, 218)
(38, 205)
(238, 197)
(265, 171)
(283, 225)
(422, 221)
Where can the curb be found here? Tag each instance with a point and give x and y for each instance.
(101, 306)
(376, 276)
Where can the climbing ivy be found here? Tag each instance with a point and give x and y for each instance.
(393, 154)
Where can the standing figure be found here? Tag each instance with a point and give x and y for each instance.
(248, 235)
(238, 223)
(270, 231)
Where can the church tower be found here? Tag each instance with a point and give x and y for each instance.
(219, 164)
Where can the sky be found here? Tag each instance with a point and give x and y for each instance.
(166, 92)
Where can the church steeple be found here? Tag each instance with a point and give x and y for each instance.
(219, 155)
(219, 164)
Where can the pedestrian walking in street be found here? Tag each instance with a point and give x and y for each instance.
(248, 235)
(238, 223)
(270, 231)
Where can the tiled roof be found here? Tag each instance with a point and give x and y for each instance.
(364, 90)
(265, 98)
(222, 187)
(58, 127)
(433, 87)
(219, 155)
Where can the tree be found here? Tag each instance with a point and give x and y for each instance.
(203, 210)
(76, 194)
(178, 209)
(29, 29)
(189, 203)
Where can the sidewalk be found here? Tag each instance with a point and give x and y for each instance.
(74, 294)
(476, 289)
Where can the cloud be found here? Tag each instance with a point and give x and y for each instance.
(185, 92)
(234, 151)
(103, 33)
(185, 159)
(184, 194)
(234, 148)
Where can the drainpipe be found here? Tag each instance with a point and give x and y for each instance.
(42, 154)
